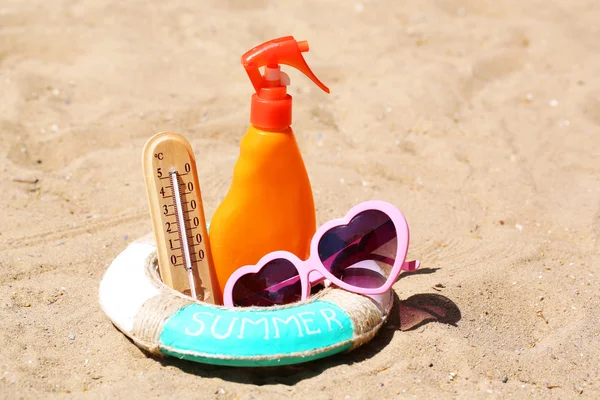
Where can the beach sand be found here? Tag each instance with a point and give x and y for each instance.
(479, 119)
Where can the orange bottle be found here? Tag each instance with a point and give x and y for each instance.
(269, 205)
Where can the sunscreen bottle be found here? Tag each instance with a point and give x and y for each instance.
(269, 205)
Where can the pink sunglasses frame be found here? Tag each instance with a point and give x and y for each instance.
(314, 267)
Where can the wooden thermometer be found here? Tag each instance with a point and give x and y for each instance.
(184, 258)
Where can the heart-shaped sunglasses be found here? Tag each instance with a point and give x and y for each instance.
(364, 253)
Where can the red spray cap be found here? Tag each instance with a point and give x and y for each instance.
(271, 105)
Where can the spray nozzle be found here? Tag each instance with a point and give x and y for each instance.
(271, 105)
(285, 50)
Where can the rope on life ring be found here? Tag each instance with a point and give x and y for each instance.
(163, 321)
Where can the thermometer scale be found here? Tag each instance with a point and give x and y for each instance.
(184, 258)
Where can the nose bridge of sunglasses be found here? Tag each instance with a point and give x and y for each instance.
(315, 277)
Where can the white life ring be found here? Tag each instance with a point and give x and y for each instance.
(163, 321)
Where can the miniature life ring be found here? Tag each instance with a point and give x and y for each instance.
(163, 321)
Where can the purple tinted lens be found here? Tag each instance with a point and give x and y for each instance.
(276, 283)
(370, 235)
(363, 278)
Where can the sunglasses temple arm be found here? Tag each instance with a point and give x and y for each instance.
(284, 283)
(411, 266)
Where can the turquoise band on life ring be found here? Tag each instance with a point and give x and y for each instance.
(163, 321)
(265, 334)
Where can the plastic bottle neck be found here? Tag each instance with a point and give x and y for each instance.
(271, 109)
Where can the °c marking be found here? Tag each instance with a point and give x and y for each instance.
(160, 156)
